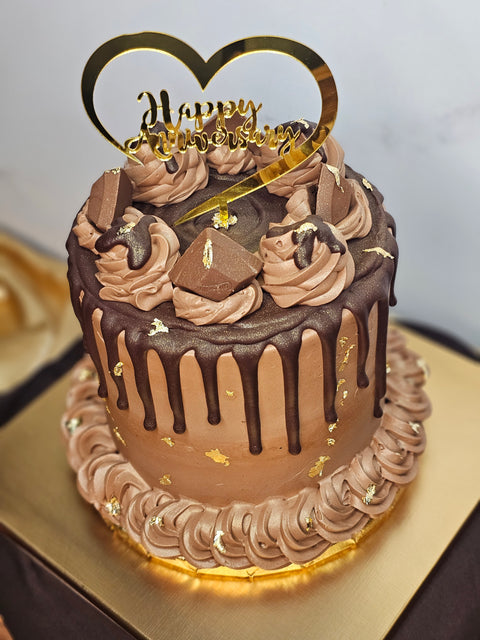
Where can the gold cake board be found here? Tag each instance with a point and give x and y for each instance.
(357, 595)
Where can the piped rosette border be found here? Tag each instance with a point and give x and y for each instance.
(270, 535)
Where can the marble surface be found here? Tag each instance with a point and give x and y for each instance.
(409, 116)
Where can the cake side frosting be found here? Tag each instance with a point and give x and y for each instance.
(274, 533)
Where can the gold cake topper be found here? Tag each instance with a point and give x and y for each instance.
(162, 142)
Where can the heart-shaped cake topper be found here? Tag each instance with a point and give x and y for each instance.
(204, 71)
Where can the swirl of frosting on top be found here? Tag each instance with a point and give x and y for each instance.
(232, 162)
(306, 173)
(201, 311)
(305, 263)
(165, 182)
(144, 286)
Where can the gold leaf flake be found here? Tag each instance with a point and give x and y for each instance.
(333, 426)
(222, 220)
(230, 394)
(330, 442)
(119, 436)
(302, 121)
(72, 424)
(387, 368)
(165, 479)
(114, 170)
(308, 523)
(216, 456)
(306, 226)
(380, 251)
(367, 184)
(340, 382)
(371, 490)
(346, 358)
(415, 426)
(345, 394)
(113, 506)
(118, 369)
(168, 441)
(336, 173)
(86, 374)
(156, 520)
(126, 228)
(158, 327)
(218, 542)
(317, 468)
(343, 341)
(207, 254)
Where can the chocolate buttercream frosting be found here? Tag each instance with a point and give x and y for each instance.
(277, 531)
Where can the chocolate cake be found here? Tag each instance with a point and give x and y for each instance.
(251, 411)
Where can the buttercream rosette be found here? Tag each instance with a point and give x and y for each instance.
(202, 311)
(149, 285)
(157, 182)
(328, 271)
(223, 160)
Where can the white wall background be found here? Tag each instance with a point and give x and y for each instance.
(408, 78)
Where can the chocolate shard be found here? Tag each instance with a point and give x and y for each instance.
(334, 195)
(215, 266)
(109, 197)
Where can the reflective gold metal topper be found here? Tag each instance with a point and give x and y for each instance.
(162, 142)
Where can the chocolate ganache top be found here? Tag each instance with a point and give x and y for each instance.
(374, 255)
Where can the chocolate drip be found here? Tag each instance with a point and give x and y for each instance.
(136, 239)
(289, 354)
(381, 356)
(208, 368)
(361, 318)
(248, 365)
(108, 329)
(282, 328)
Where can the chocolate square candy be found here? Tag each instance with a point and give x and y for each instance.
(334, 195)
(109, 197)
(215, 266)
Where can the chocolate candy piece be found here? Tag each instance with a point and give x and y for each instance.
(215, 266)
(334, 195)
(109, 197)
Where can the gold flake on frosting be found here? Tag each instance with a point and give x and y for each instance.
(368, 497)
(343, 341)
(218, 542)
(317, 468)
(113, 506)
(340, 382)
(223, 220)
(86, 374)
(336, 174)
(165, 479)
(230, 394)
(308, 523)
(118, 369)
(333, 426)
(158, 327)
(156, 520)
(216, 456)
(168, 441)
(387, 367)
(330, 442)
(415, 426)
(72, 424)
(115, 170)
(346, 357)
(119, 436)
(126, 228)
(380, 251)
(367, 184)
